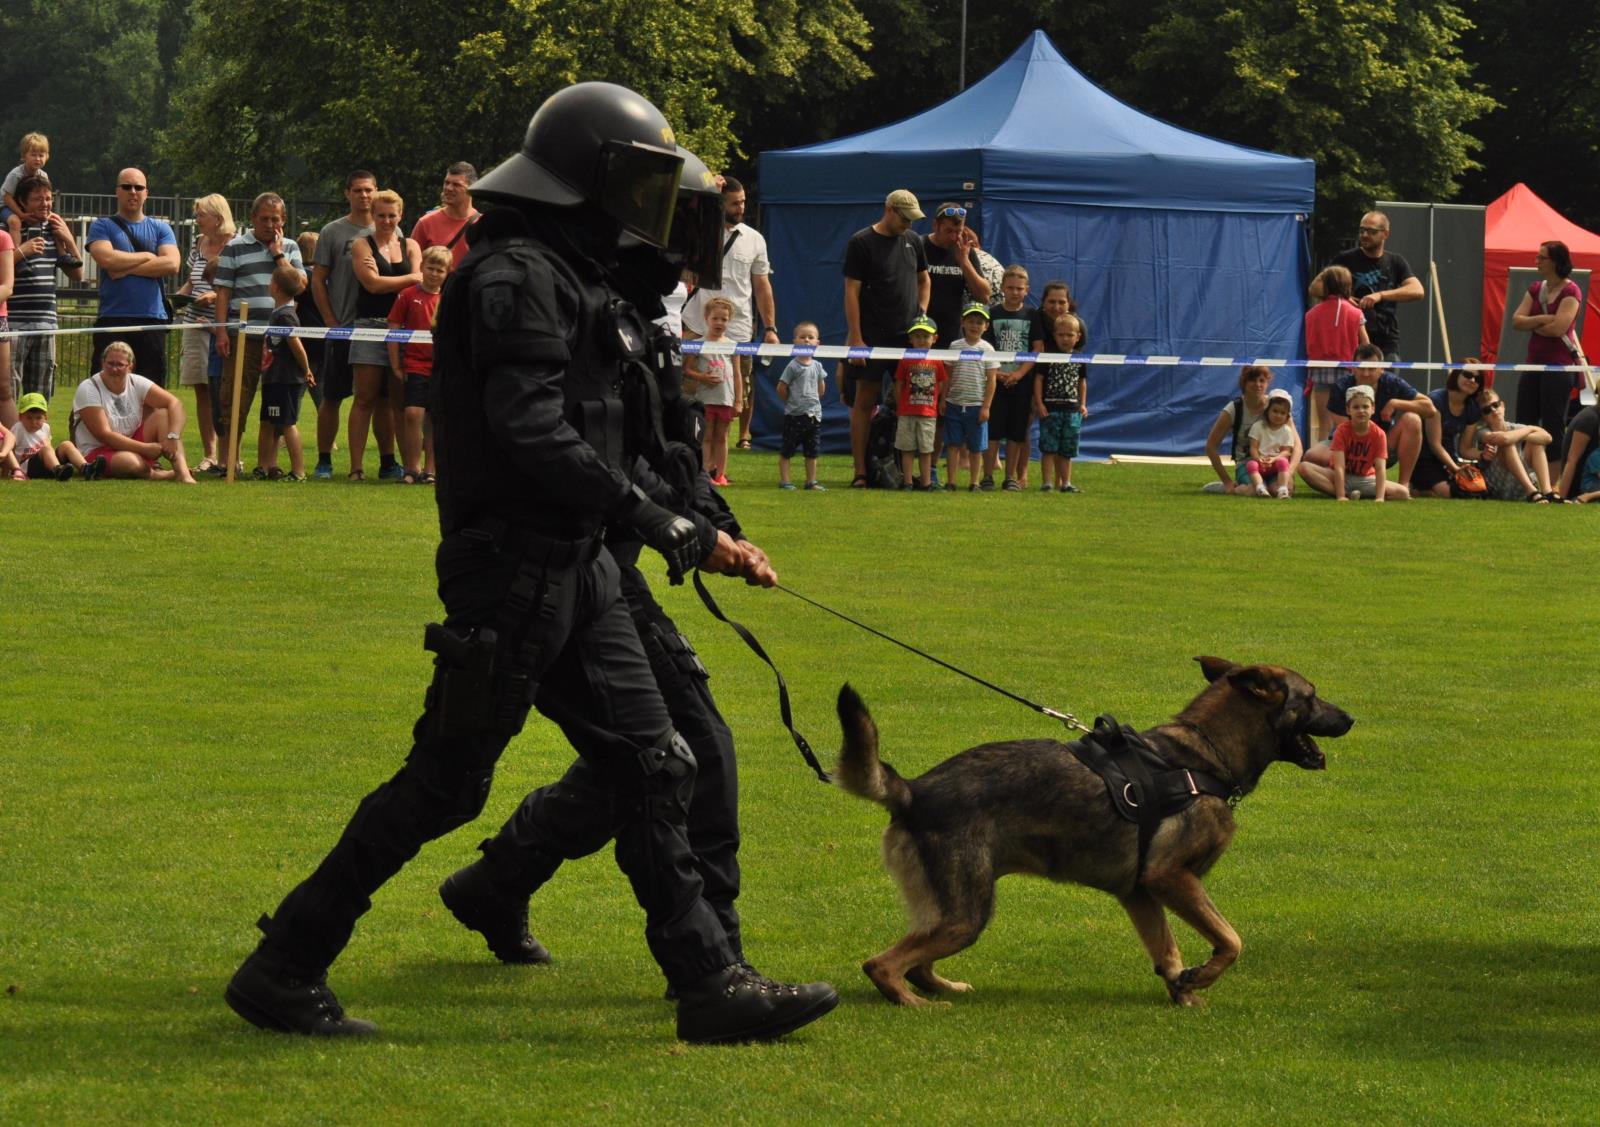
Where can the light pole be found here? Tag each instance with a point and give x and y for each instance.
(961, 71)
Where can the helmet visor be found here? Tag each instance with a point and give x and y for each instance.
(697, 236)
(638, 187)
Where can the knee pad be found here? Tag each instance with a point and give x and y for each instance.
(663, 784)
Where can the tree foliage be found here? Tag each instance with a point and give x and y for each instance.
(1543, 67)
(1377, 92)
(92, 76)
(406, 89)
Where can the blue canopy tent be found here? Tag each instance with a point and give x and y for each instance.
(1174, 244)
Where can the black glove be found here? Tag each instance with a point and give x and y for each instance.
(675, 537)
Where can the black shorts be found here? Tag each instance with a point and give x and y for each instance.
(1011, 414)
(799, 433)
(280, 403)
(1427, 473)
(417, 390)
(334, 379)
(879, 370)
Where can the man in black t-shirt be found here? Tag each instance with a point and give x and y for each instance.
(885, 287)
(1382, 281)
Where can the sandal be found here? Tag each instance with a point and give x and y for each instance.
(1536, 498)
(744, 444)
(426, 478)
(357, 475)
(408, 478)
(1555, 498)
(207, 465)
(859, 482)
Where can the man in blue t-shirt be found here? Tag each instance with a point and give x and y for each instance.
(134, 252)
(1399, 409)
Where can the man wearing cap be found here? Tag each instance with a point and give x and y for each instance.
(886, 286)
(1398, 410)
(952, 271)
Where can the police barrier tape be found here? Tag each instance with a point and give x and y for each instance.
(843, 352)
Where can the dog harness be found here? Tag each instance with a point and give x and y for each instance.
(1144, 788)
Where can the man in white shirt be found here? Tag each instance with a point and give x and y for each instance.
(747, 282)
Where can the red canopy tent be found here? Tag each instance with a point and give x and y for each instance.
(1513, 227)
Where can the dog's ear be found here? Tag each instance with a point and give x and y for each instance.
(1259, 682)
(1214, 667)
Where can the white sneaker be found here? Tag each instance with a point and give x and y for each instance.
(1283, 492)
(1261, 491)
(1213, 487)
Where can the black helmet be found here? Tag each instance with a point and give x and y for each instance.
(697, 222)
(601, 144)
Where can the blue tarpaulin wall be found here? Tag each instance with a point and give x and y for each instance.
(1174, 244)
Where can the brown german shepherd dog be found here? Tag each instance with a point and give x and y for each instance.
(1030, 806)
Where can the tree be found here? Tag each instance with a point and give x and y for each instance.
(407, 96)
(1377, 92)
(1543, 66)
(93, 76)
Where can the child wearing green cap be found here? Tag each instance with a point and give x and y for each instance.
(31, 453)
(972, 384)
(919, 390)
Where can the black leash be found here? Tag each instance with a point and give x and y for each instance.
(783, 689)
(1066, 718)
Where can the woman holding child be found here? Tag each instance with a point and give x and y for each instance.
(1238, 415)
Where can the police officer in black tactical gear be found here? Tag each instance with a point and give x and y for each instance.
(575, 817)
(546, 431)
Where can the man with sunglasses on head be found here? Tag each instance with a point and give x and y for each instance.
(1382, 279)
(952, 271)
(134, 252)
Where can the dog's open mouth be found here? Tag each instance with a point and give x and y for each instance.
(1301, 750)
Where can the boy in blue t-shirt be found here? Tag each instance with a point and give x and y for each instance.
(801, 387)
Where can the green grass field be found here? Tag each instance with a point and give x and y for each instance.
(202, 683)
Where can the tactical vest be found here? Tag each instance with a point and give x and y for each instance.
(495, 311)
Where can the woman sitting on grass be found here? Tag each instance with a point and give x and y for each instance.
(1238, 416)
(1501, 449)
(1448, 432)
(123, 424)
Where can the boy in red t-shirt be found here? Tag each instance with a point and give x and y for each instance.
(1360, 456)
(415, 308)
(919, 391)
(1335, 328)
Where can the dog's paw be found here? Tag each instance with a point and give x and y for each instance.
(1181, 988)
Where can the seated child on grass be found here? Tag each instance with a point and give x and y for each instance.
(1274, 446)
(33, 456)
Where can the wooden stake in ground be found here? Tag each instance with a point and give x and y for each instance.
(238, 389)
(1438, 304)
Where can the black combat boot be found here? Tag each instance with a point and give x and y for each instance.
(739, 1004)
(501, 918)
(266, 992)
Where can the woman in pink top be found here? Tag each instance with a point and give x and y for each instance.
(1548, 311)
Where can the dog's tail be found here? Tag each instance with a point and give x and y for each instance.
(860, 770)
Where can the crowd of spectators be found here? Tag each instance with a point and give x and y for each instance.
(359, 270)
(934, 290)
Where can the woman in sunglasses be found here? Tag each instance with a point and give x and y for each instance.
(1448, 432)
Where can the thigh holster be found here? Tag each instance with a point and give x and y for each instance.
(672, 657)
(461, 698)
